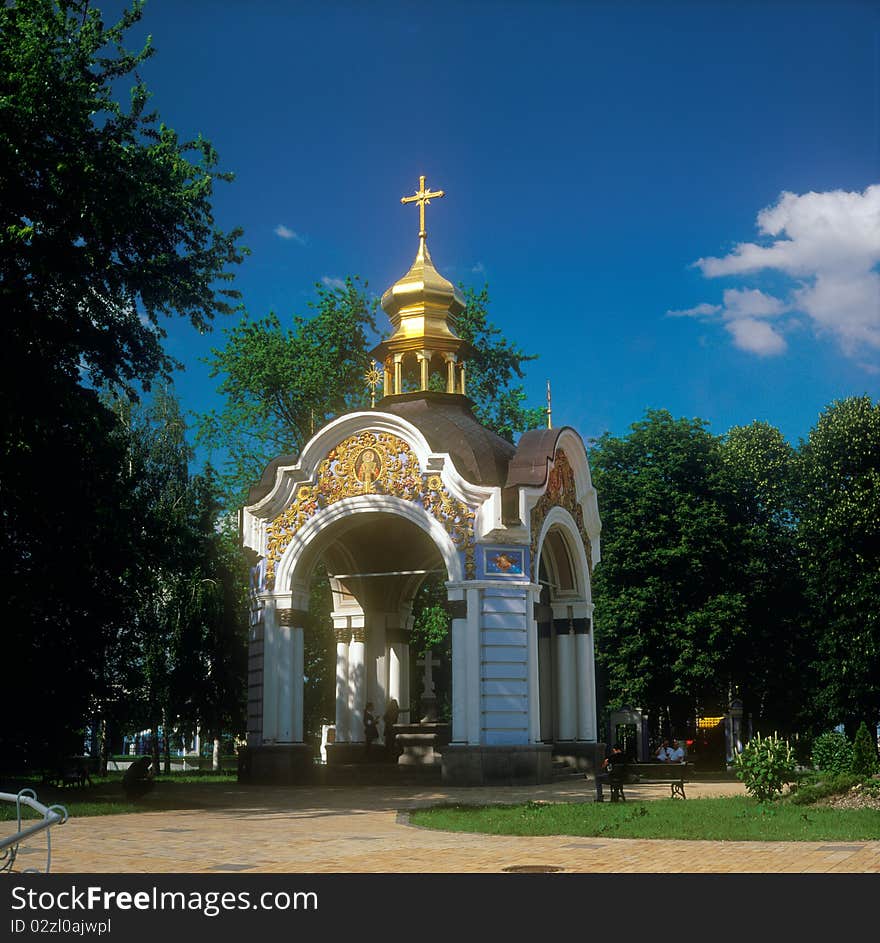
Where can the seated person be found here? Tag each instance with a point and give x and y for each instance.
(137, 780)
(676, 753)
(663, 753)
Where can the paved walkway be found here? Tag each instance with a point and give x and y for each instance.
(360, 829)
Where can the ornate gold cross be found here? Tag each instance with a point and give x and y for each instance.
(422, 196)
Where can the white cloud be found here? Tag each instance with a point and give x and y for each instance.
(333, 282)
(757, 337)
(829, 245)
(286, 233)
(703, 310)
(740, 314)
(478, 269)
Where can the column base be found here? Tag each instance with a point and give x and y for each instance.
(283, 764)
(526, 765)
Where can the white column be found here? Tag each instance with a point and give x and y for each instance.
(534, 684)
(343, 635)
(357, 680)
(375, 654)
(397, 662)
(270, 677)
(298, 643)
(473, 654)
(585, 696)
(459, 631)
(565, 680)
(284, 676)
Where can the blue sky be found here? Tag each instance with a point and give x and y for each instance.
(591, 154)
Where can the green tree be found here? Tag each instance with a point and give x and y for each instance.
(839, 536)
(864, 752)
(106, 226)
(492, 372)
(189, 607)
(281, 384)
(106, 221)
(773, 654)
(670, 617)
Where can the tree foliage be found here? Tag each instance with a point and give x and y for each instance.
(106, 221)
(106, 227)
(839, 537)
(670, 619)
(280, 384)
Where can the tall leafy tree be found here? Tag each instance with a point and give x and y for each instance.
(774, 654)
(106, 227)
(282, 383)
(839, 534)
(669, 616)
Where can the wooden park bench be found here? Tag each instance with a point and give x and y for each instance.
(673, 774)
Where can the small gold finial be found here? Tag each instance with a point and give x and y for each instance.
(373, 378)
(549, 408)
(422, 196)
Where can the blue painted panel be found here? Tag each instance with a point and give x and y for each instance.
(489, 672)
(504, 637)
(500, 703)
(508, 687)
(504, 604)
(503, 720)
(498, 738)
(503, 620)
(499, 653)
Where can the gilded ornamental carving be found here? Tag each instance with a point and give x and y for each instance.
(371, 463)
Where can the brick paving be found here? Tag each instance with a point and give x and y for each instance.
(365, 829)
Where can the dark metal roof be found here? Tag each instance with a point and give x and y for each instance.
(447, 421)
(529, 466)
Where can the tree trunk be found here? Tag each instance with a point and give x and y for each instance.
(215, 757)
(154, 746)
(103, 747)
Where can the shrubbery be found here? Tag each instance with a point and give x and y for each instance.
(813, 789)
(864, 753)
(765, 765)
(832, 753)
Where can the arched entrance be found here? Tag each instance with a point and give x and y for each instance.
(566, 670)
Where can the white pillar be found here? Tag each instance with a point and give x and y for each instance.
(298, 642)
(397, 661)
(357, 680)
(459, 631)
(565, 678)
(375, 655)
(284, 676)
(343, 635)
(533, 682)
(473, 655)
(270, 677)
(585, 692)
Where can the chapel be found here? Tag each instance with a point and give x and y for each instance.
(382, 497)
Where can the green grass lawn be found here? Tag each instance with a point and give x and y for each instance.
(736, 818)
(105, 796)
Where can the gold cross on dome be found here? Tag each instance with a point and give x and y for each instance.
(422, 196)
